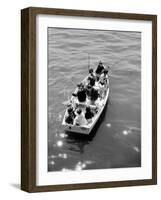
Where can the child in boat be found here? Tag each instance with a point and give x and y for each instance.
(70, 116)
(80, 119)
(88, 114)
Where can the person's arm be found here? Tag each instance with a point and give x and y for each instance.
(75, 94)
(74, 115)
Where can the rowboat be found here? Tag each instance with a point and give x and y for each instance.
(100, 104)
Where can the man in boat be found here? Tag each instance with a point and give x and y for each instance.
(70, 116)
(89, 114)
(92, 90)
(104, 75)
(94, 95)
(88, 91)
(101, 88)
(80, 119)
(91, 81)
(103, 83)
(81, 93)
(91, 74)
(100, 69)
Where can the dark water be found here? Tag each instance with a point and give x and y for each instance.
(117, 141)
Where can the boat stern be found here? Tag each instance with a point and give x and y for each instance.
(76, 129)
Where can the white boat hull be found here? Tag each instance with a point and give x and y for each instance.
(86, 129)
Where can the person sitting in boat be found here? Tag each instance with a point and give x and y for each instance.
(88, 114)
(106, 71)
(81, 93)
(91, 74)
(103, 77)
(103, 82)
(80, 119)
(88, 90)
(101, 88)
(94, 84)
(91, 81)
(100, 69)
(94, 95)
(70, 116)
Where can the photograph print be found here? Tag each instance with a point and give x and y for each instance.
(94, 99)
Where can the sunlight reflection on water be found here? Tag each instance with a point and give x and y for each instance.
(108, 125)
(59, 143)
(136, 149)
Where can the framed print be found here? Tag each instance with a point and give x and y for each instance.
(88, 99)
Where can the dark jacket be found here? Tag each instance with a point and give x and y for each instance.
(89, 115)
(81, 95)
(99, 69)
(94, 94)
(88, 91)
(69, 119)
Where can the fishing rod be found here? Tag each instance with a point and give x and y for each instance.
(121, 59)
(88, 61)
(118, 61)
